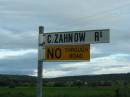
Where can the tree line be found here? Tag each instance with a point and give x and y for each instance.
(86, 80)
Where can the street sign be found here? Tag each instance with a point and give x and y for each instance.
(66, 46)
(77, 37)
(67, 52)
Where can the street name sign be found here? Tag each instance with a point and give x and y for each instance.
(77, 37)
(67, 52)
(66, 46)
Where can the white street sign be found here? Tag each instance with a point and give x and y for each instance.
(77, 37)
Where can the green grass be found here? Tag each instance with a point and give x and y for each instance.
(18, 92)
(64, 92)
(78, 92)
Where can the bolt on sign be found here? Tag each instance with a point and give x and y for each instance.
(67, 52)
(77, 37)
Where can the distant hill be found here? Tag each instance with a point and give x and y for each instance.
(103, 77)
(16, 80)
(90, 80)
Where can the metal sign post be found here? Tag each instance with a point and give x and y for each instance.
(40, 62)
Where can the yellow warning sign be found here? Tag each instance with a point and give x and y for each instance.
(67, 52)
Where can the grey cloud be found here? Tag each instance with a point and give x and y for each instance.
(12, 40)
(17, 72)
(19, 21)
(19, 63)
(118, 63)
(22, 65)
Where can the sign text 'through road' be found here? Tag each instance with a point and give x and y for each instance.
(67, 52)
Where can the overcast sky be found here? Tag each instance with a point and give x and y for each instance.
(19, 21)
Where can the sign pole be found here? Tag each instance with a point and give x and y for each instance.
(40, 62)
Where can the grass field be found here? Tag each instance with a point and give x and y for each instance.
(18, 92)
(84, 92)
(65, 92)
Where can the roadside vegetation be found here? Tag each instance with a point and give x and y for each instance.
(114, 85)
